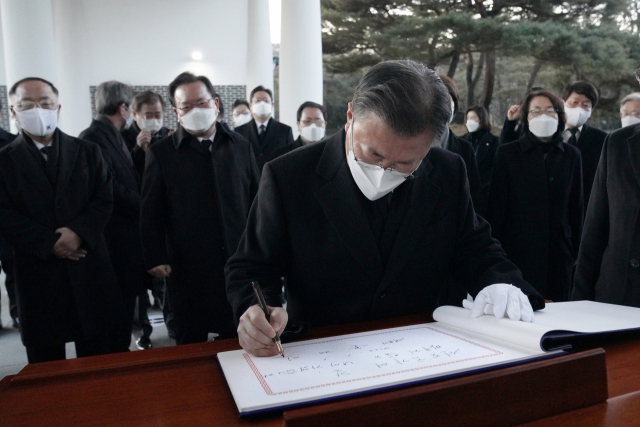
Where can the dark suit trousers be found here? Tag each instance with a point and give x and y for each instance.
(8, 265)
(84, 348)
(120, 336)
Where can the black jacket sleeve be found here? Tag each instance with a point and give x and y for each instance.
(152, 213)
(509, 132)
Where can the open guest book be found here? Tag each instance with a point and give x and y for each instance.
(456, 343)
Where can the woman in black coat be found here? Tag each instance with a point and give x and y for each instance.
(536, 199)
(484, 145)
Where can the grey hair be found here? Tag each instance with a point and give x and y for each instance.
(635, 96)
(110, 95)
(407, 96)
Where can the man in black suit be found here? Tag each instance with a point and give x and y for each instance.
(265, 133)
(6, 253)
(608, 267)
(147, 127)
(312, 123)
(55, 200)
(113, 105)
(371, 222)
(197, 189)
(580, 98)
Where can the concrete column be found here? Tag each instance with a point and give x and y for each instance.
(259, 49)
(28, 38)
(300, 58)
(72, 53)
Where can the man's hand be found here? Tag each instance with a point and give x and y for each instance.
(144, 139)
(160, 271)
(256, 334)
(513, 112)
(68, 245)
(501, 299)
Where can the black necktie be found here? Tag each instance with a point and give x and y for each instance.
(572, 139)
(262, 128)
(46, 151)
(207, 144)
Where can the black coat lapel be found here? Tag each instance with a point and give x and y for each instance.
(269, 132)
(338, 201)
(68, 153)
(420, 204)
(31, 166)
(634, 153)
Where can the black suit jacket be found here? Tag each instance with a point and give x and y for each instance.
(194, 210)
(535, 211)
(464, 149)
(276, 135)
(307, 224)
(59, 300)
(590, 145)
(511, 131)
(484, 144)
(5, 248)
(608, 267)
(288, 148)
(123, 230)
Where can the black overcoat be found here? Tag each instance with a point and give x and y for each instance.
(463, 148)
(535, 211)
(289, 148)
(484, 145)
(123, 230)
(197, 202)
(50, 290)
(590, 145)
(608, 267)
(276, 135)
(307, 225)
(5, 248)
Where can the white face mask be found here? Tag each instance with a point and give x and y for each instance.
(543, 126)
(453, 111)
(374, 181)
(241, 119)
(312, 133)
(199, 120)
(151, 125)
(261, 109)
(472, 125)
(129, 119)
(38, 121)
(629, 120)
(576, 117)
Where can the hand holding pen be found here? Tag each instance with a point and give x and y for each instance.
(256, 331)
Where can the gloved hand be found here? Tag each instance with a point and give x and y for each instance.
(501, 299)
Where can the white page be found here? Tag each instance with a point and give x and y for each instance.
(574, 316)
(336, 366)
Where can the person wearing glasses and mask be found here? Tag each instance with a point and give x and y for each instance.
(115, 113)
(371, 222)
(580, 98)
(265, 133)
(536, 201)
(147, 127)
(630, 110)
(56, 198)
(197, 189)
(241, 112)
(608, 267)
(311, 126)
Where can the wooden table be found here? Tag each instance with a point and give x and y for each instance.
(184, 386)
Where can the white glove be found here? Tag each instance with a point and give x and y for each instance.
(499, 299)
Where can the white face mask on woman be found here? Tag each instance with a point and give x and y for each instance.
(472, 126)
(543, 126)
(373, 180)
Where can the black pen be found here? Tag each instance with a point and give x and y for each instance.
(263, 305)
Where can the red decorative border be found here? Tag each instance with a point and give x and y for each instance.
(268, 391)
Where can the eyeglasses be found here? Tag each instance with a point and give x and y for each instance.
(239, 113)
(408, 170)
(28, 105)
(320, 123)
(202, 104)
(265, 99)
(549, 112)
(633, 114)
